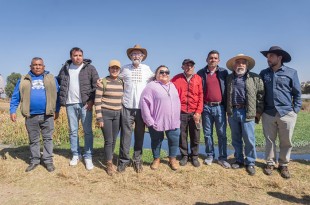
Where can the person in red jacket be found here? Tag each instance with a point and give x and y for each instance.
(189, 87)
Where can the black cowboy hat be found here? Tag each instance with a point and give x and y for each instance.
(279, 51)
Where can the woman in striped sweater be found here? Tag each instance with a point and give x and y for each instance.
(108, 105)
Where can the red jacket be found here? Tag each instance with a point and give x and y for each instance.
(190, 93)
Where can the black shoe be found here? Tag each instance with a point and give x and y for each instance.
(237, 165)
(50, 167)
(122, 166)
(31, 167)
(195, 162)
(250, 169)
(137, 166)
(183, 161)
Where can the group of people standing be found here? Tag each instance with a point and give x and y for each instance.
(132, 97)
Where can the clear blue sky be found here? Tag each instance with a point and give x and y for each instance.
(170, 30)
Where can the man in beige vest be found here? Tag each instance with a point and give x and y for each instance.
(37, 93)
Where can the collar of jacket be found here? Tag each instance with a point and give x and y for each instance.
(85, 61)
(206, 69)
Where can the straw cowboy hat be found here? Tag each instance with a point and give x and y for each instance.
(279, 51)
(137, 47)
(230, 62)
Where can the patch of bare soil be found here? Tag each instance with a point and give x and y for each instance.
(188, 185)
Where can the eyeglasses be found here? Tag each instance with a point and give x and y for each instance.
(137, 54)
(164, 72)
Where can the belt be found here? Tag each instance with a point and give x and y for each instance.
(189, 113)
(239, 106)
(213, 103)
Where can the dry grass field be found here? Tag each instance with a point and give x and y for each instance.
(188, 185)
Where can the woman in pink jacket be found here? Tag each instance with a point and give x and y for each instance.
(160, 108)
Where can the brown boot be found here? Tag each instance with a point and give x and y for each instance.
(173, 163)
(110, 168)
(284, 172)
(155, 164)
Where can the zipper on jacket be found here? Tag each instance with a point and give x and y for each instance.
(188, 83)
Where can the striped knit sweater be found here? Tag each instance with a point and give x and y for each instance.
(110, 99)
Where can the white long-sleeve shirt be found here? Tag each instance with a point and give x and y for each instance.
(135, 80)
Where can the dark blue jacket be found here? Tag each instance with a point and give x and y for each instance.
(88, 79)
(222, 74)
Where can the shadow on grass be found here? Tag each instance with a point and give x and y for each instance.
(285, 197)
(301, 161)
(23, 153)
(222, 203)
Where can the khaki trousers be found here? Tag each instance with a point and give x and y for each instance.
(284, 127)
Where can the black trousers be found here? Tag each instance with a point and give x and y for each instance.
(111, 119)
(188, 125)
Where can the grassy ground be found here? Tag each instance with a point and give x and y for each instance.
(15, 133)
(301, 133)
(188, 185)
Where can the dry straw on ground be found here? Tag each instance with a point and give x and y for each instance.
(189, 185)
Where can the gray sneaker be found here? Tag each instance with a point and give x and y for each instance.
(183, 161)
(208, 160)
(224, 164)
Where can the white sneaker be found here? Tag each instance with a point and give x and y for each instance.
(89, 164)
(74, 161)
(208, 160)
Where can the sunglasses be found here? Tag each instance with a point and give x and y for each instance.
(164, 72)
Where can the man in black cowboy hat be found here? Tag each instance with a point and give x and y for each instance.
(282, 103)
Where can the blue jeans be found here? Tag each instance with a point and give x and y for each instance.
(242, 129)
(215, 115)
(76, 112)
(157, 138)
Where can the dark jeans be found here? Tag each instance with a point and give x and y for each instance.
(44, 124)
(157, 138)
(111, 120)
(188, 125)
(128, 118)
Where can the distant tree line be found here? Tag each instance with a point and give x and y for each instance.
(11, 81)
(1, 85)
(305, 87)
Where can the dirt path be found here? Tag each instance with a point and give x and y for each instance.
(189, 185)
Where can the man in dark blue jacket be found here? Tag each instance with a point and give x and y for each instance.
(77, 80)
(214, 109)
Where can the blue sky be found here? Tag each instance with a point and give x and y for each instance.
(170, 30)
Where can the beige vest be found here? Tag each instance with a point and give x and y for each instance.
(50, 92)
